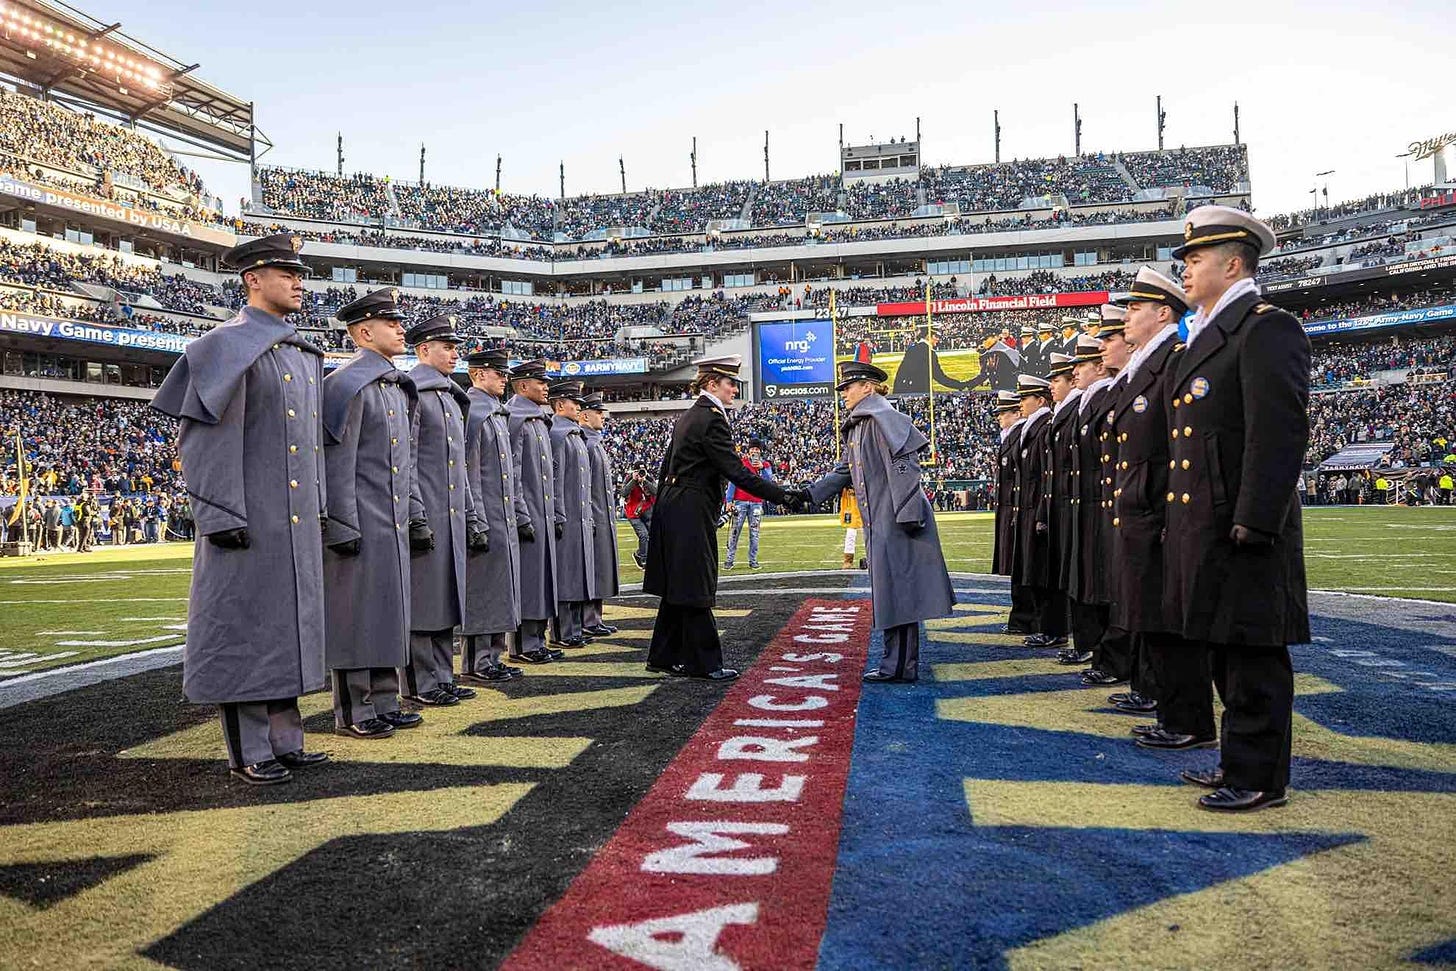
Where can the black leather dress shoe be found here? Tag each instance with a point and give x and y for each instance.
(1095, 678)
(1044, 640)
(403, 719)
(1009, 628)
(269, 773)
(572, 643)
(1074, 657)
(302, 759)
(722, 674)
(1227, 800)
(676, 669)
(435, 697)
(494, 675)
(1207, 778)
(1120, 696)
(640, 560)
(553, 654)
(459, 691)
(879, 677)
(601, 630)
(1163, 739)
(534, 657)
(368, 728)
(1136, 705)
(1147, 728)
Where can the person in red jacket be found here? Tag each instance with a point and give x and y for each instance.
(747, 506)
(640, 493)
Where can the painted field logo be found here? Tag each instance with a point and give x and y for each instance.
(726, 863)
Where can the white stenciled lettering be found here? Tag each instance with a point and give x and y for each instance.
(710, 837)
(828, 657)
(779, 723)
(682, 942)
(747, 787)
(820, 638)
(770, 703)
(823, 682)
(759, 749)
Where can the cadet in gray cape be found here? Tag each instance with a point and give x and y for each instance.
(247, 394)
(593, 417)
(376, 520)
(437, 575)
(493, 567)
(576, 558)
(908, 578)
(537, 516)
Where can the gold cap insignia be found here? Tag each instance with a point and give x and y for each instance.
(452, 320)
(1188, 231)
(394, 294)
(297, 242)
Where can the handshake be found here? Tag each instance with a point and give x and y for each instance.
(798, 500)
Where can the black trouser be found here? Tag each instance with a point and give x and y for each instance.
(1023, 609)
(1144, 674)
(1089, 624)
(1185, 699)
(257, 731)
(687, 636)
(1257, 686)
(1113, 654)
(1051, 611)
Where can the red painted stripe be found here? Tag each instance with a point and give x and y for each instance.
(656, 897)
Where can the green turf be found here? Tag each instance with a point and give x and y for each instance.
(135, 598)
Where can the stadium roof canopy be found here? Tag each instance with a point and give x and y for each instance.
(75, 59)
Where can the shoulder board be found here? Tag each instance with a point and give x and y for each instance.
(1264, 308)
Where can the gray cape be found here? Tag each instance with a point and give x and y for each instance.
(604, 501)
(248, 396)
(908, 578)
(576, 566)
(437, 578)
(530, 430)
(368, 407)
(492, 580)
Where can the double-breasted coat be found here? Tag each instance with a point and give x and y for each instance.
(604, 545)
(682, 549)
(1005, 538)
(530, 431)
(1033, 504)
(1061, 451)
(248, 396)
(493, 579)
(1089, 582)
(908, 579)
(1106, 483)
(1240, 427)
(370, 460)
(437, 577)
(576, 568)
(1140, 483)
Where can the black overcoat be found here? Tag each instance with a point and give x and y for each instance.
(1004, 547)
(1240, 420)
(682, 549)
(1140, 484)
(1033, 559)
(1087, 584)
(1061, 444)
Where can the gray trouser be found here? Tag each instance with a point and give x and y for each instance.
(591, 615)
(531, 636)
(256, 731)
(431, 661)
(483, 652)
(567, 623)
(364, 693)
(902, 651)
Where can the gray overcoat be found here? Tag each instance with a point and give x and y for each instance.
(248, 396)
(437, 578)
(530, 430)
(604, 501)
(576, 566)
(908, 578)
(368, 412)
(492, 580)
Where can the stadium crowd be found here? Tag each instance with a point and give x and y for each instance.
(1419, 420)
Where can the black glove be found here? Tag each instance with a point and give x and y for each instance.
(323, 522)
(478, 541)
(798, 500)
(346, 547)
(1040, 528)
(230, 539)
(912, 528)
(421, 538)
(560, 530)
(1248, 536)
(527, 532)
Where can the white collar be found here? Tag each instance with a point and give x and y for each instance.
(1146, 351)
(1072, 396)
(1037, 415)
(1201, 320)
(1092, 389)
(713, 400)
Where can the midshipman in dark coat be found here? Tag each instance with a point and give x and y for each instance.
(908, 578)
(375, 520)
(1235, 567)
(493, 568)
(1087, 584)
(437, 575)
(538, 516)
(1034, 561)
(575, 553)
(248, 396)
(1061, 432)
(604, 500)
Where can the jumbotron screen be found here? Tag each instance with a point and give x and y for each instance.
(795, 359)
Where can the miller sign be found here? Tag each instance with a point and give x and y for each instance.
(1430, 146)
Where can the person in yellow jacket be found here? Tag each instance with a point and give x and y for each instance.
(853, 523)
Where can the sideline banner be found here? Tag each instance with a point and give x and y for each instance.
(115, 211)
(75, 330)
(1395, 318)
(971, 305)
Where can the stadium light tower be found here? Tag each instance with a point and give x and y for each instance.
(422, 163)
(996, 121)
(1077, 128)
(765, 155)
(1323, 175)
(693, 160)
(340, 154)
(622, 167)
(1162, 122)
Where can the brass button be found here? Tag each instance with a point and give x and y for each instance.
(1186, 463)
(452, 487)
(1188, 399)
(287, 377)
(1122, 437)
(396, 498)
(1124, 464)
(1116, 493)
(394, 469)
(293, 448)
(276, 346)
(452, 463)
(452, 510)
(1116, 521)
(394, 441)
(1185, 497)
(1176, 402)
(1187, 430)
(1172, 463)
(291, 413)
(310, 380)
(1175, 433)
(294, 518)
(293, 483)
(1170, 497)
(391, 412)
(1106, 457)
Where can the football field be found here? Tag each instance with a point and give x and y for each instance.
(70, 608)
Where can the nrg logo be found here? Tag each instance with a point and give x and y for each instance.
(802, 346)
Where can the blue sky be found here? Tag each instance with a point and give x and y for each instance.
(1322, 85)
